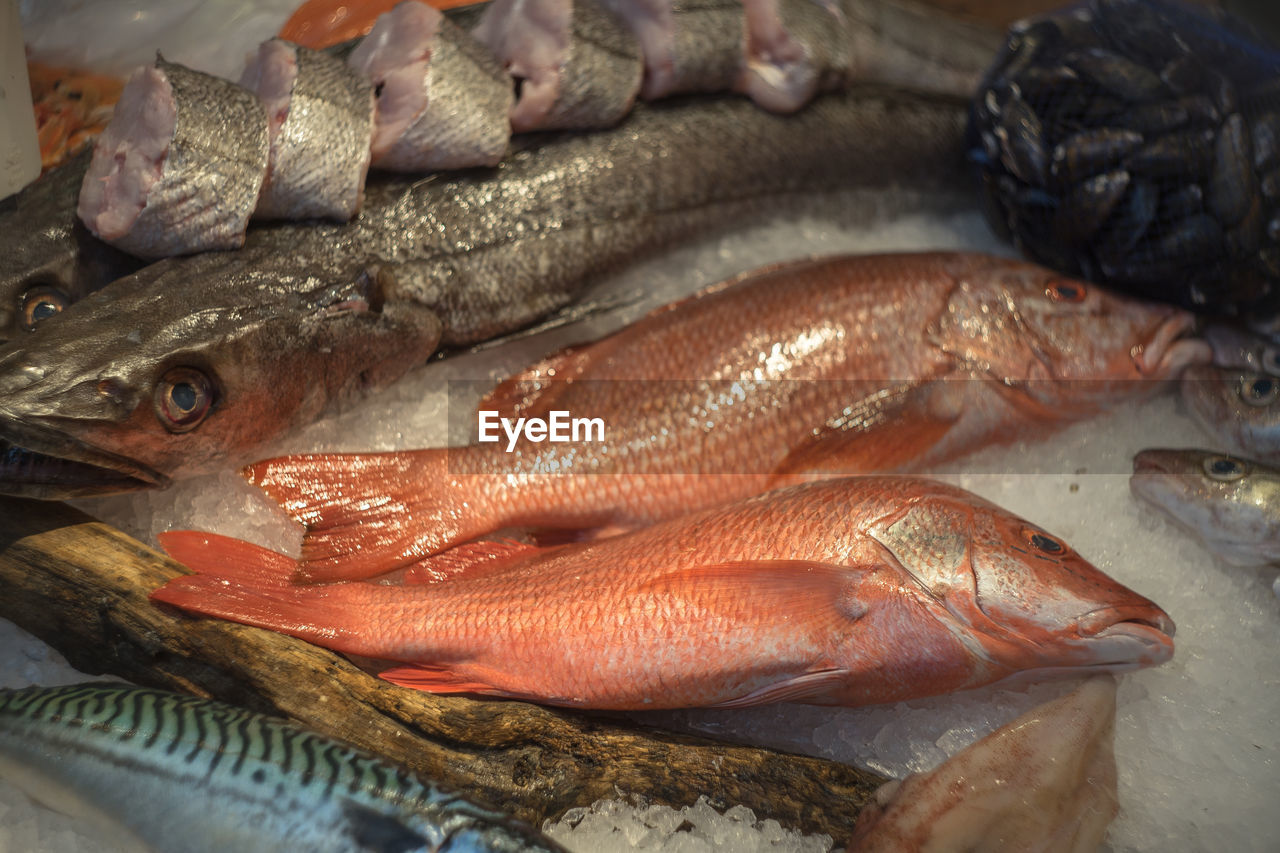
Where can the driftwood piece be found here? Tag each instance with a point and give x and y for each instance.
(81, 586)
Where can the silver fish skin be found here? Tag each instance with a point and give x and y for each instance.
(1232, 503)
(48, 259)
(192, 364)
(179, 168)
(697, 46)
(1239, 408)
(320, 114)
(578, 65)
(442, 99)
(178, 773)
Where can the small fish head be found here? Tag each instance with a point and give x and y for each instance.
(1061, 340)
(188, 366)
(1021, 596)
(48, 259)
(1240, 409)
(1231, 502)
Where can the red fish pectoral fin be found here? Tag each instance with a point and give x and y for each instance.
(883, 433)
(819, 598)
(802, 688)
(365, 513)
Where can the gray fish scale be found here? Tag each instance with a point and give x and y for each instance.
(213, 173)
(704, 59)
(602, 72)
(322, 154)
(186, 774)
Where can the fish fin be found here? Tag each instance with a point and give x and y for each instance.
(469, 559)
(533, 391)
(368, 513)
(883, 433)
(371, 830)
(822, 595)
(807, 686)
(431, 679)
(245, 583)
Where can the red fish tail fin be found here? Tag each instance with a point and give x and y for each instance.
(367, 513)
(251, 585)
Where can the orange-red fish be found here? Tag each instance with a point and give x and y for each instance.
(854, 365)
(850, 591)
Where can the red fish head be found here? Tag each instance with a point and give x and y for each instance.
(1019, 596)
(1023, 324)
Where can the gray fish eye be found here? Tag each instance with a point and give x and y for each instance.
(1259, 390)
(41, 303)
(1224, 469)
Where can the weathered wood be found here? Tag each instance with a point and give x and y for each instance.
(81, 586)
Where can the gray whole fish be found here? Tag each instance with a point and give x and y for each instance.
(1239, 408)
(192, 363)
(178, 773)
(48, 259)
(1232, 503)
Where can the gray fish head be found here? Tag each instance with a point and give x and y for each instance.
(191, 364)
(1231, 502)
(48, 259)
(1239, 408)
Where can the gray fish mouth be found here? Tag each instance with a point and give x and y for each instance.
(52, 465)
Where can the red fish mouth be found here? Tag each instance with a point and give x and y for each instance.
(1137, 635)
(1170, 350)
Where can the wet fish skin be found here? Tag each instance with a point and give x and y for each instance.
(844, 365)
(1239, 408)
(319, 153)
(841, 592)
(1233, 504)
(1045, 781)
(579, 205)
(48, 259)
(578, 65)
(178, 772)
(196, 187)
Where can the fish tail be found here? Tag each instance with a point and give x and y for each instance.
(246, 583)
(367, 513)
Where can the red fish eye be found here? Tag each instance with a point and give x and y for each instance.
(1042, 541)
(1066, 291)
(183, 397)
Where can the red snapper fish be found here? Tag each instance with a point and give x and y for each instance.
(847, 365)
(850, 591)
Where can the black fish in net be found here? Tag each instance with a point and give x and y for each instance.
(1137, 143)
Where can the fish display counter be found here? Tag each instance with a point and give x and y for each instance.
(1194, 737)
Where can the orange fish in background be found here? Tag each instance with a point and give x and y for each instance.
(843, 592)
(72, 107)
(321, 23)
(850, 365)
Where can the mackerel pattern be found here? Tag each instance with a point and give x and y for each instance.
(180, 773)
